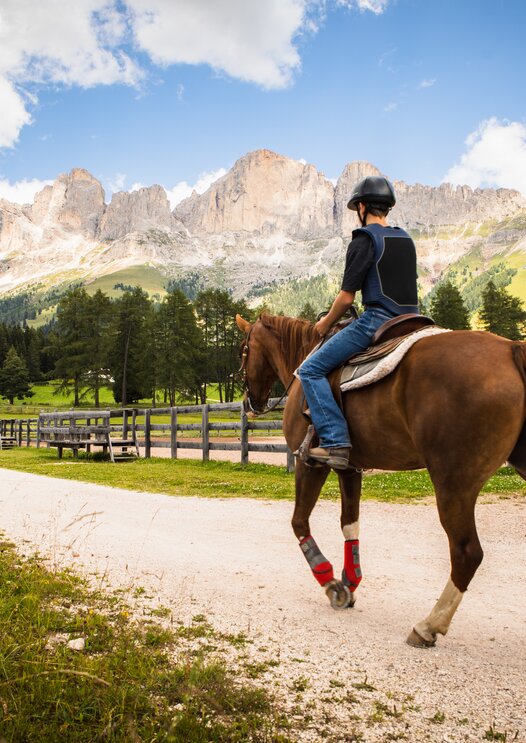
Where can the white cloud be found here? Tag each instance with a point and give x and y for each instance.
(427, 83)
(49, 41)
(248, 39)
(21, 192)
(97, 42)
(495, 156)
(391, 107)
(14, 113)
(375, 6)
(117, 183)
(182, 190)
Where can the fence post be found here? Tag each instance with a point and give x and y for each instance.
(134, 424)
(20, 425)
(38, 432)
(125, 424)
(291, 461)
(205, 432)
(244, 437)
(173, 433)
(28, 433)
(147, 433)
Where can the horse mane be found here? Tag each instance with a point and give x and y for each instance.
(297, 337)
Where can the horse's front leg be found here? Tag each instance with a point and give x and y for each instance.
(309, 482)
(351, 490)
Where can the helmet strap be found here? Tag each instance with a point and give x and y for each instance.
(363, 219)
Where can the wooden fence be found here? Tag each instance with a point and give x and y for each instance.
(22, 431)
(141, 424)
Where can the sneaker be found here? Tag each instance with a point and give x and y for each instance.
(338, 459)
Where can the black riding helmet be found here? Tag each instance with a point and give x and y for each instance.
(374, 191)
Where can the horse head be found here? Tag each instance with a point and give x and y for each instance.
(259, 374)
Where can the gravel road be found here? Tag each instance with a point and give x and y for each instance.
(342, 676)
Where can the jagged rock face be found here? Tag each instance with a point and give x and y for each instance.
(425, 206)
(147, 208)
(263, 193)
(75, 202)
(17, 233)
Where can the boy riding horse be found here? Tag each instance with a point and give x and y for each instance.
(381, 262)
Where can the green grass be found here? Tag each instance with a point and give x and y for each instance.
(44, 396)
(227, 480)
(147, 277)
(134, 681)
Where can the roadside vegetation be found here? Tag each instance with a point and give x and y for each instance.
(132, 681)
(186, 477)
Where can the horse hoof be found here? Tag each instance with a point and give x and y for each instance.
(339, 596)
(416, 641)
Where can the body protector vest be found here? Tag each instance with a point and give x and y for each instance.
(391, 279)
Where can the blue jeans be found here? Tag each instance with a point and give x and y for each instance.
(326, 415)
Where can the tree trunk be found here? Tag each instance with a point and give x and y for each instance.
(124, 395)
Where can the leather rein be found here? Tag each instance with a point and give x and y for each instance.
(243, 372)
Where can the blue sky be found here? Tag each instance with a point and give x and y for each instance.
(174, 91)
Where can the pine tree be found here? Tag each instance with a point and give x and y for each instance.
(99, 318)
(216, 311)
(502, 313)
(178, 345)
(131, 352)
(448, 309)
(4, 343)
(72, 342)
(308, 313)
(14, 377)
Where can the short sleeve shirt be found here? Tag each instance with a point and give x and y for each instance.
(360, 256)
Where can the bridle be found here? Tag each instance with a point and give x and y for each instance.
(244, 380)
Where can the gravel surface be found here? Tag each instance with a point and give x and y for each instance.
(342, 676)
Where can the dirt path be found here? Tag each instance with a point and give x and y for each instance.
(342, 675)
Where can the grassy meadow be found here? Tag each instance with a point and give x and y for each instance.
(45, 397)
(151, 680)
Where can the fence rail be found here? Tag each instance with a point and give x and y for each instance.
(20, 431)
(137, 423)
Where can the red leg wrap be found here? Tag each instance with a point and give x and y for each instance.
(352, 573)
(320, 566)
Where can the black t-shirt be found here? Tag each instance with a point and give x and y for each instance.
(360, 256)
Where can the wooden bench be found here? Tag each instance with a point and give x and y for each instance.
(8, 442)
(84, 430)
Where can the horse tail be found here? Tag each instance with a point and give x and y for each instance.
(517, 457)
(518, 350)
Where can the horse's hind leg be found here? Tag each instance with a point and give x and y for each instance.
(309, 482)
(457, 515)
(351, 489)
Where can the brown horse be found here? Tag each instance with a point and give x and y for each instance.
(455, 405)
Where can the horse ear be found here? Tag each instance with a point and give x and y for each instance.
(243, 325)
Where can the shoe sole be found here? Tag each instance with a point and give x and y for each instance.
(337, 463)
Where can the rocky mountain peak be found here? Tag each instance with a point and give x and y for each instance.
(75, 201)
(146, 208)
(263, 193)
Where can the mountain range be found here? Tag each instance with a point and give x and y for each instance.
(271, 230)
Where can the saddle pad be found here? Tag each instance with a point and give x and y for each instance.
(364, 369)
